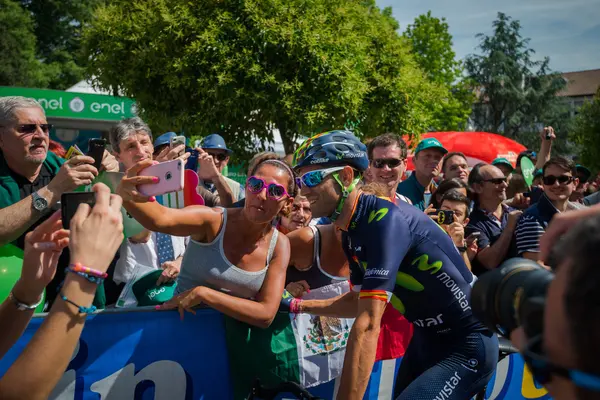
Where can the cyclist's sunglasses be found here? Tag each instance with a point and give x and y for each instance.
(218, 156)
(542, 369)
(563, 179)
(275, 191)
(496, 181)
(27, 129)
(314, 178)
(390, 162)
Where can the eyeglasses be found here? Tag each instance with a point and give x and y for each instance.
(390, 162)
(218, 156)
(314, 178)
(542, 369)
(26, 129)
(563, 179)
(496, 181)
(275, 191)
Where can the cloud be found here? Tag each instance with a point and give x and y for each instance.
(566, 31)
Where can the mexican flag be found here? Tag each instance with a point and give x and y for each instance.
(302, 348)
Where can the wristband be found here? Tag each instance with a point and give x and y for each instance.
(22, 306)
(295, 306)
(81, 309)
(77, 267)
(92, 278)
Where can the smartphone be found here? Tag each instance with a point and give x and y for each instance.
(445, 217)
(170, 175)
(70, 201)
(177, 140)
(527, 195)
(96, 151)
(472, 237)
(192, 161)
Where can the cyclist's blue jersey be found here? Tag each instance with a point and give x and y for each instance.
(399, 255)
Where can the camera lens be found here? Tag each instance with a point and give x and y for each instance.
(168, 176)
(498, 295)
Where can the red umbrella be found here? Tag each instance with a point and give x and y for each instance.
(477, 146)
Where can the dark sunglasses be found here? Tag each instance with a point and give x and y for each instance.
(496, 181)
(542, 369)
(32, 128)
(218, 156)
(563, 179)
(390, 162)
(275, 191)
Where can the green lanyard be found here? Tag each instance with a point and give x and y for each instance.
(345, 192)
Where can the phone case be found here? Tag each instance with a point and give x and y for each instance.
(69, 202)
(170, 175)
(177, 140)
(96, 151)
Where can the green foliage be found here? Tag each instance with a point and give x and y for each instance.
(432, 49)
(40, 42)
(586, 133)
(18, 65)
(514, 91)
(243, 67)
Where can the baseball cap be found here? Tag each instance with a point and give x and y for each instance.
(165, 138)
(430, 143)
(586, 172)
(214, 141)
(148, 293)
(538, 172)
(503, 161)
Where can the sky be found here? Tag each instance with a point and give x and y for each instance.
(567, 31)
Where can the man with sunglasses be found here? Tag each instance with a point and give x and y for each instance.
(214, 146)
(397, 255)
(32, 179)
(495, 221)
(559, 182)
(387, 157)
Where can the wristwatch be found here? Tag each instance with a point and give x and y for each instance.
(39, 202)
(462, 249)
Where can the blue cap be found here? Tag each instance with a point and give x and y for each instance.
(214, 141)
(165, 138)
(430, 143)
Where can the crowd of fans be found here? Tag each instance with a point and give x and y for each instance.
(248, 243)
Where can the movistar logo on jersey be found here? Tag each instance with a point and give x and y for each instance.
(378, 215)
(424, 265)
(449, 387)
(455, 290)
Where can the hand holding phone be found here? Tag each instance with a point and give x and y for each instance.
(96, 151)
(472, 237)
(170, 178)
(70, 201)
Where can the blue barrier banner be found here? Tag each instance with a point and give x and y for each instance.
(148, 355)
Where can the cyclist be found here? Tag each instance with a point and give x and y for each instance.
(397, 254)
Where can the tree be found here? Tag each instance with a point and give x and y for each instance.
(18, 65)
(432, 49)
(586, 132)
(514, 91)
(243, 67)
(57, 26)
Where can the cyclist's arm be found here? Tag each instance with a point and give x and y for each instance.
(361, 350)
(342, 306)
(386, 250)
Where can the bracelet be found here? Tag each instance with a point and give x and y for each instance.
(92, 278)
(77, 267)
(82, 310)
(22, 306)
(295, 307)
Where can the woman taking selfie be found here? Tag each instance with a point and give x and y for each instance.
(236, 260)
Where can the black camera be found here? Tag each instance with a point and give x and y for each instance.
(512, 295)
